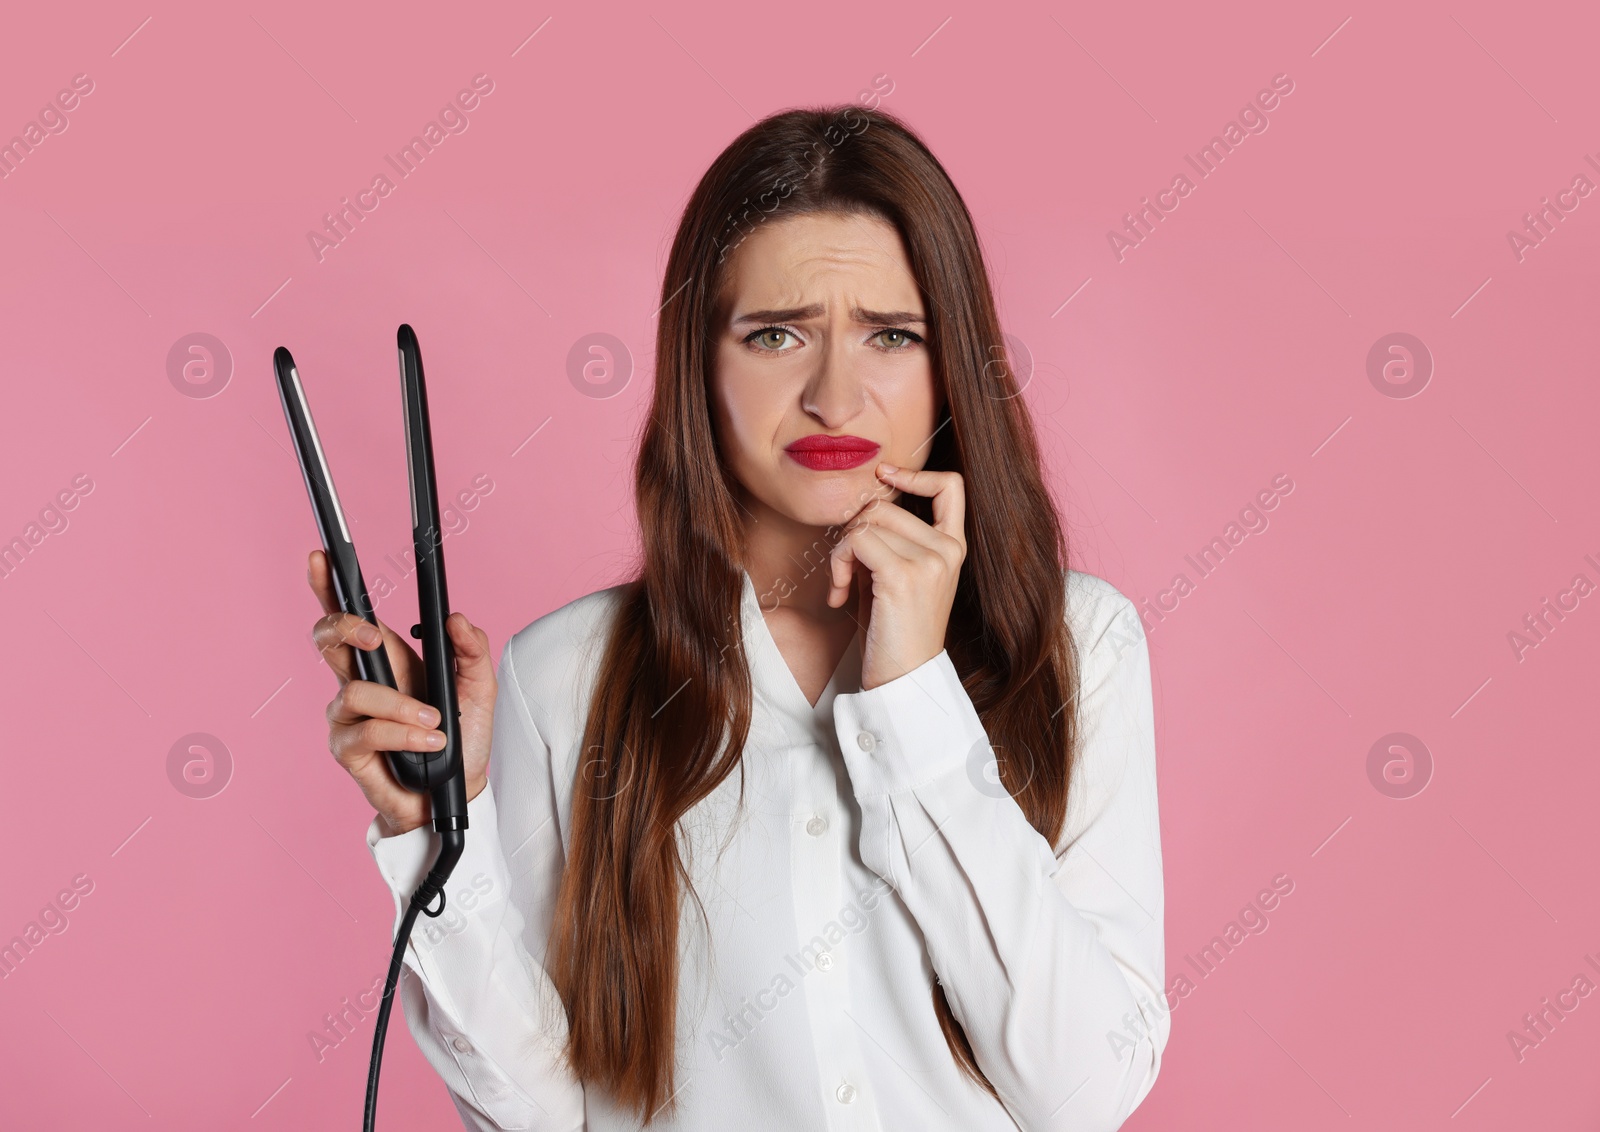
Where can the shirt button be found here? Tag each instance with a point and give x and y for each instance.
(825, 961)
(866, 741)
(846, 1094)
(817, 825)
(462, 1045)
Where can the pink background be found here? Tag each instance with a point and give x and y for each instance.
(1230, 348)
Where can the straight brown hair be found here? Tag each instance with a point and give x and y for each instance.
(671, 708)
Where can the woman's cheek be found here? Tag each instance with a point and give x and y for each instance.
(740, 427)
(912, 408)
(751, 414)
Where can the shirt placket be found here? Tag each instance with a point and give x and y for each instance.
(819, 961)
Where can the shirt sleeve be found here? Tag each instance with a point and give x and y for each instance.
(483, 1011)
(1052, 961)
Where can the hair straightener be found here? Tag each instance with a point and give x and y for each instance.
(438, 774)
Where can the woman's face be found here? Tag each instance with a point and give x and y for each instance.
(820, 336)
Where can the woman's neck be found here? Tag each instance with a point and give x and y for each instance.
(788, 563)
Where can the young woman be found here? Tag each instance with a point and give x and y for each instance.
(842, 813)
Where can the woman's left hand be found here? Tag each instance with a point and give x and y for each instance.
(912, 571)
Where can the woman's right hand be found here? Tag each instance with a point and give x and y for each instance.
(365, 718)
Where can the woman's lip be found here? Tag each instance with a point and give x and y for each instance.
(819, 442)
(832, 453)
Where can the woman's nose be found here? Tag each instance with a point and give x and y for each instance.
(834, 393)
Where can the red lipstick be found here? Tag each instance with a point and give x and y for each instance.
(822, 453)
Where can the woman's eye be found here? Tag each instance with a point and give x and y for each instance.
(905, 340)
(770, 338)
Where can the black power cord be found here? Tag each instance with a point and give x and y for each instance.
(454, 841)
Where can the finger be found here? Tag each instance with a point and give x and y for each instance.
(864, 547)
(330, 645)
(320, 576)
(475, 669)
(364, 699)
(357, 742)
(841, 568)
(947, 490)
(335, 630)
(404, 662)
(471, 643)
(909, 535)
(873, 551)
(906, 541)
(874, 497)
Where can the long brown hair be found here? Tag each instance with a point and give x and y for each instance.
(672, 706)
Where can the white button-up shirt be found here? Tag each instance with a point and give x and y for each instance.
(875, 851)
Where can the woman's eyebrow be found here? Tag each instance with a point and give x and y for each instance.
(797, 314)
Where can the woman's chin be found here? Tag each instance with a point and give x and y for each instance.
(814, 498)
(831, 498)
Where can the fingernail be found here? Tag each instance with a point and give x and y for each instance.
(887, 469)
(434, 739)
(369, 635)
(428, 716)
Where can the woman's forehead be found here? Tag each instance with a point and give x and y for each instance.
(798, 267)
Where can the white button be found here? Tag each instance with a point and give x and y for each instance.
(846, 1094)
(817, 825)
(462, 1045)
(866, 741)
(825, 961)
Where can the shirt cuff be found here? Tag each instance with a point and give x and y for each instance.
(916, 728)
(406, 858)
